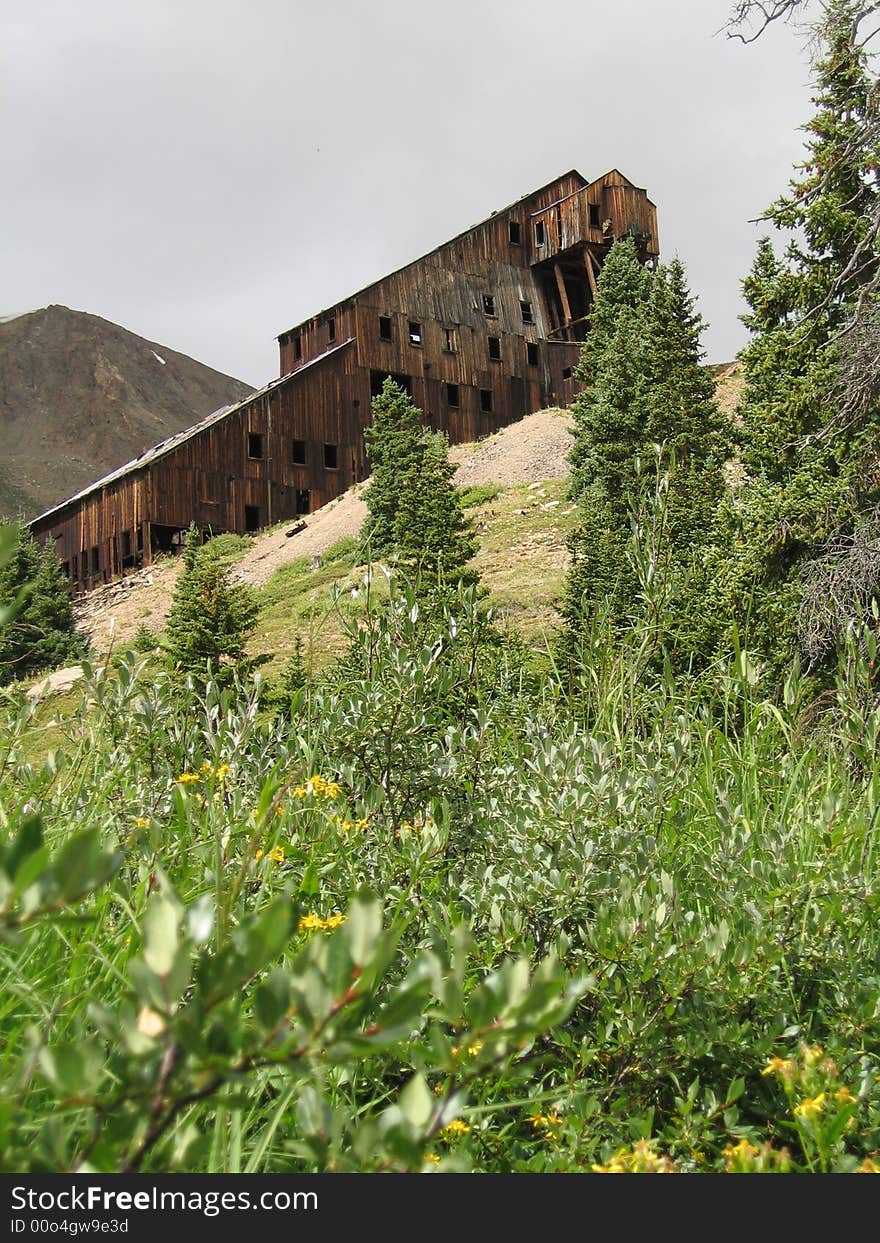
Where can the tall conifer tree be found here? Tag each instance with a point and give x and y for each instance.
(394, 445)
(42, 633)
(645, 390)
(434, 539)
(810, 472)
(211, 619)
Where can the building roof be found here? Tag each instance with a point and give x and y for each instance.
(173, 442)
(572, 172)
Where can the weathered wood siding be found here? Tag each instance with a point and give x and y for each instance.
(483, 330)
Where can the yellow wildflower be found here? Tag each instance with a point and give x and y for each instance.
(812, 1055)
(868, 1166)
(539, 1120)
(474, 1049)
(783, 1067)
(206, 768)
(318, 787)
(738, 1157)
(455, 1128)
(810, 1107)
(843, 1096)
(222, 772)
(432, 1157)
(142, 822)
(641, 1159)
(745, 1158)
(186, 779)
(276, 854)
(314, 923)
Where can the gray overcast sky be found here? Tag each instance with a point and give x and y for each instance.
(209, 172)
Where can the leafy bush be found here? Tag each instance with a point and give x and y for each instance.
(441, 921)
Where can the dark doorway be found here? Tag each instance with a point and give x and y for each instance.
(164, 539)
(378, 378)
(252, 517)
(303, 501)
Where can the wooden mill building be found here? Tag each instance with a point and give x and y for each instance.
(482, 331)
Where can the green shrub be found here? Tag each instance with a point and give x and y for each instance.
(477, 494)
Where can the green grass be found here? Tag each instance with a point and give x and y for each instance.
(478, 494)
(227, 549)
(521, 560)
(701, 865)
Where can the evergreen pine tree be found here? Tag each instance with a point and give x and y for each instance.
(681, 412)
(434, 539)
(394, 443)
(210, 619)
(798, 305)
(42, 634)
(646, 390)
(615, 335)
(809, 471)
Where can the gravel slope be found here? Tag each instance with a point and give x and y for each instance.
(525, 453)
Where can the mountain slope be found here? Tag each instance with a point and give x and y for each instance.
(80, 396)
(522, 522)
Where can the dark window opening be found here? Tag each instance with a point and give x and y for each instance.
(515, 232)
(96, 559)
(298, 453)
(415, 333)
(252, 517)
(532, 353)
(331, 457)
(297, 347)
(449, 336)
(594, 216)
(495, 349)
(331, 329)
(255, 445)
(566, 373)
(65, 569)
(452, 396)
(384, 327)
(74, 569)
(303, 501)
(540, 236)
(526, 308)
(488, 304)
(140, 539)
(166, 539)
(378, 378)
(486, 400)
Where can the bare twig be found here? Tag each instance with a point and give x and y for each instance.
(838, 586)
